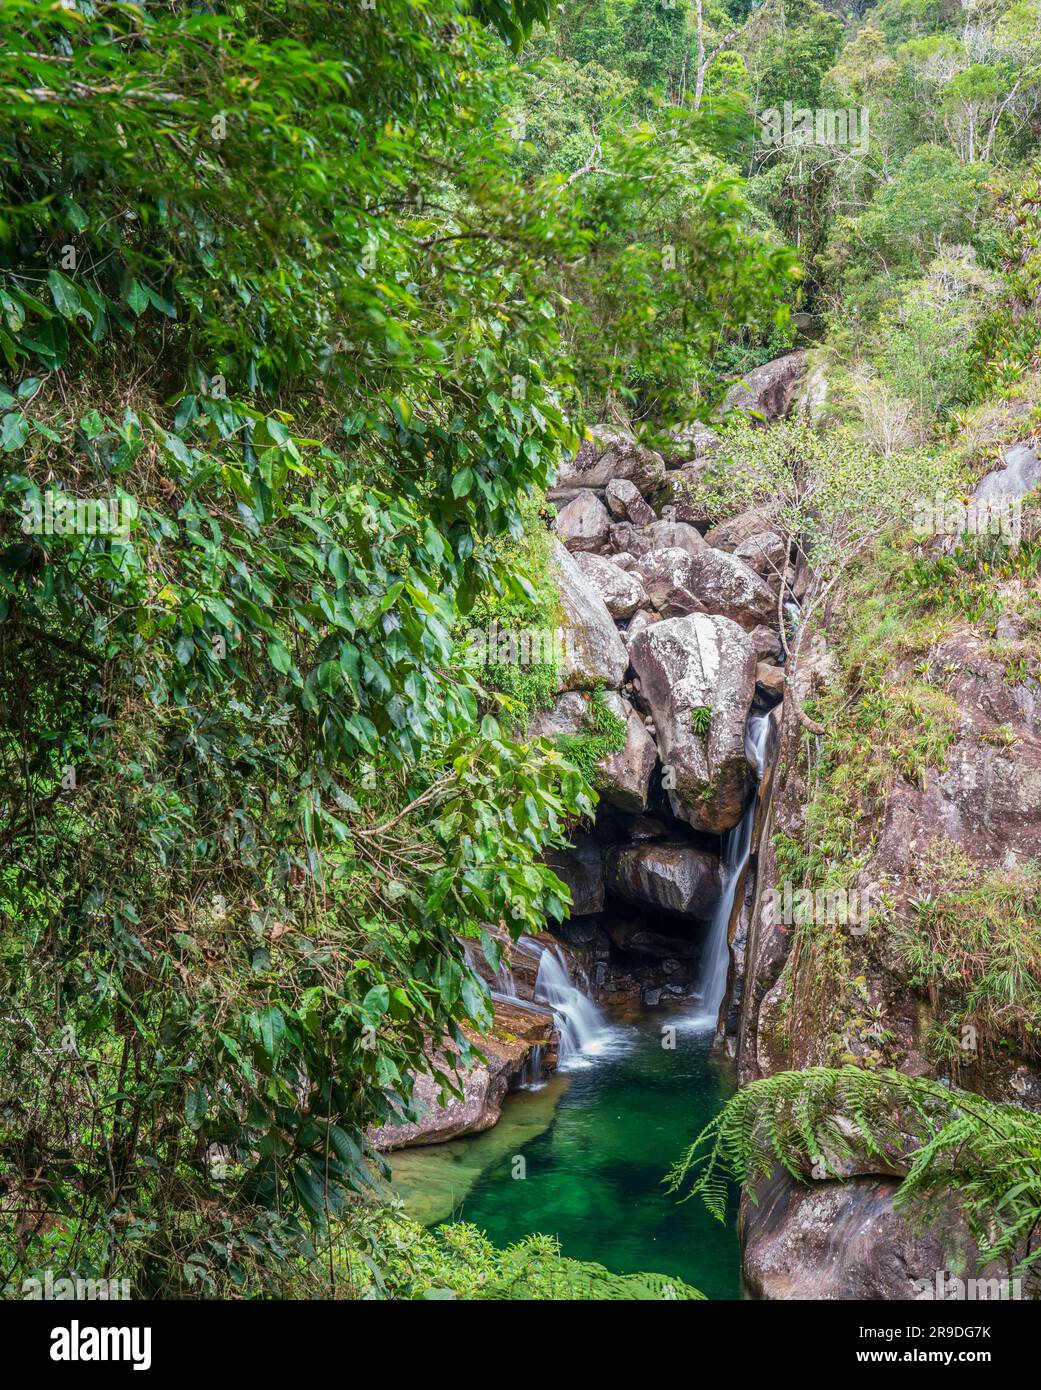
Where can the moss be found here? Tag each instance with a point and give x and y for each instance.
(606, 735)
(521, 618)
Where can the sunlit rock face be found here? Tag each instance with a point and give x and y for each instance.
(594, 654)
(687, 666)
(611, 453)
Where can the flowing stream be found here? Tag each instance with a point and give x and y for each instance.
(597, 1137)
(737, 847)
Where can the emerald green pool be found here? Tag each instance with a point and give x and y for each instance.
(596, 1144)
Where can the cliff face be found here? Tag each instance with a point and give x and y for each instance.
(923, 801)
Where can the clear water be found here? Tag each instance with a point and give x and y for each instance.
(594, 1163)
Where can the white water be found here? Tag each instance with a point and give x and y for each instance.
(737, 846)
(584, 1032)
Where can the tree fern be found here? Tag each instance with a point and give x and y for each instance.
(830, 1123)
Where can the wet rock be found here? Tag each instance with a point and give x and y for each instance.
(625, 503)
(642, 828)
(696, 663)
(622, 592)
(582, 869)
(516, 1032)
(632, 936)
(676, 878)
(583, 524)
(769, 682)
(594, 653)
(767, 391)
(612, 453)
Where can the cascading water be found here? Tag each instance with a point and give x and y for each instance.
(737, 846)
(584, 1033)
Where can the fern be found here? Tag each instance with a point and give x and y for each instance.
(948, 1143)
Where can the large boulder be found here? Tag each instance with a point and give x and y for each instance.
(701, 662)
(693, 441)
(625, 503)
(626, 539)
(669, 578)
(766, 554)
(1020, 474)
(847, 1240)
(767, 391)
(516, 1032)
(593, 652)
(663, 534)
(645, 618)
(624, 778)
(568, 715)
(610, 453)
(673, 877)
(737, 529)
(621, 592)
(724, 584)
(767, 642)
(678, 497)
(583, 524)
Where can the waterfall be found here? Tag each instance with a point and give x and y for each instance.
(584, 1033)
(737, 847)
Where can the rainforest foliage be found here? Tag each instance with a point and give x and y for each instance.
(306, 301)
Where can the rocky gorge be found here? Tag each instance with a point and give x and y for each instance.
(676, 626)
